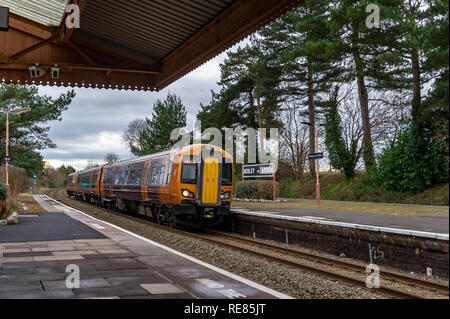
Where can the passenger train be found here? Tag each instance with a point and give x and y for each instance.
(192, 185)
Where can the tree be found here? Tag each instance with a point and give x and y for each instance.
(133, 132)
(341, 157)
(358, 46)
(90, 164)
(167, 116)
(28, 132)
(305, 74)
(111, 158)
(417, 55)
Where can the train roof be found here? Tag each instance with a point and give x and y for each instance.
(183, 150)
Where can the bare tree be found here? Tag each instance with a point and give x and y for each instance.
(112, 158)
(134, 131)
(91, 164)
(294, 146)
(387, 111)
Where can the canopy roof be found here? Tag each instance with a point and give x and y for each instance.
(125, 44)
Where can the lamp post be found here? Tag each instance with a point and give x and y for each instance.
(317, 163)
(18, 111)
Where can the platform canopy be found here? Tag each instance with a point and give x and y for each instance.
(125, 44)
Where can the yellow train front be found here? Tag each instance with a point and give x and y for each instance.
(192, 185)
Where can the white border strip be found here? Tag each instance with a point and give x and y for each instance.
(399, 231)
(202, 263)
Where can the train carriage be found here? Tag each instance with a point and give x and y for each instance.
(192, 185)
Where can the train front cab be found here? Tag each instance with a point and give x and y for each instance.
(204, 174)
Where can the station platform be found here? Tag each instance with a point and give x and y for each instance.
(434, 225)
(112, 262)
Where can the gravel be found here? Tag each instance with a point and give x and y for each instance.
(294, 282)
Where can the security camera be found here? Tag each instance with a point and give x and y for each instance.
(36, 71)
(55, 72)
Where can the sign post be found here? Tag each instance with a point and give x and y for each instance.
(261, 170)
(316, 156)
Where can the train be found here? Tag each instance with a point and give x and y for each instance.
(186, 186)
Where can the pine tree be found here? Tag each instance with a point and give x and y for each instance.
(306, 74)
(358, 46)
(167, 116)
(28, 132)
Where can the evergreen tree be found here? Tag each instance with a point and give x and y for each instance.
(167, 116)
(358, 46)
(341, 157)
(305, 74)
(28, 132)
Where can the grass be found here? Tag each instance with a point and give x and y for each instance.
(357, 195)
(334, 186)
(27, 200)
(365, 207)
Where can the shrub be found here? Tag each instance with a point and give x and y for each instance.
(3, 192)
(399, 171)
(17, 179)
(255, 189)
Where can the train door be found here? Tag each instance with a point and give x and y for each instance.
(209, 179)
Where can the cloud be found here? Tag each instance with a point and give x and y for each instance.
(94, 122)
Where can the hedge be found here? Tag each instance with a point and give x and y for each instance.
(255, 189)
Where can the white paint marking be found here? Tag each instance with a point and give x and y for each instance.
(408, 232)
(195, 260)
(98, 226)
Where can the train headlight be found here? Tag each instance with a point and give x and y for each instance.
(225, 195)
(187, 193)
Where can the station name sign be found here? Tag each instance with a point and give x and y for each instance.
(313, 156)
(258, 170)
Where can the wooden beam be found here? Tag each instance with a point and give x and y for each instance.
(240, 20)
(32, 48)
(17, 65)
(82, 53)
(66, 33)
(30, 27)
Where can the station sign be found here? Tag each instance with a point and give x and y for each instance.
(258, 170)
(313, 156)
(7, 159)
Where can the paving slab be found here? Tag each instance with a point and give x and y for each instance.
(112, 263)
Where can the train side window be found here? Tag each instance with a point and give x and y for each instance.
(126, 177)
(138, 177)
(117, 179)
(161, 175)
(154, 179)
(131, 175)
(169, 172)
(106, 178)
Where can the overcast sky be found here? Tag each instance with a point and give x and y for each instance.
(94, 122)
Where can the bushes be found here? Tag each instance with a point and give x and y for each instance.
(17, 179)
(255, 189)
(399, 171)
(3, 195)
(3, 192)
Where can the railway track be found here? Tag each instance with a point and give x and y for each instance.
(393, 284)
